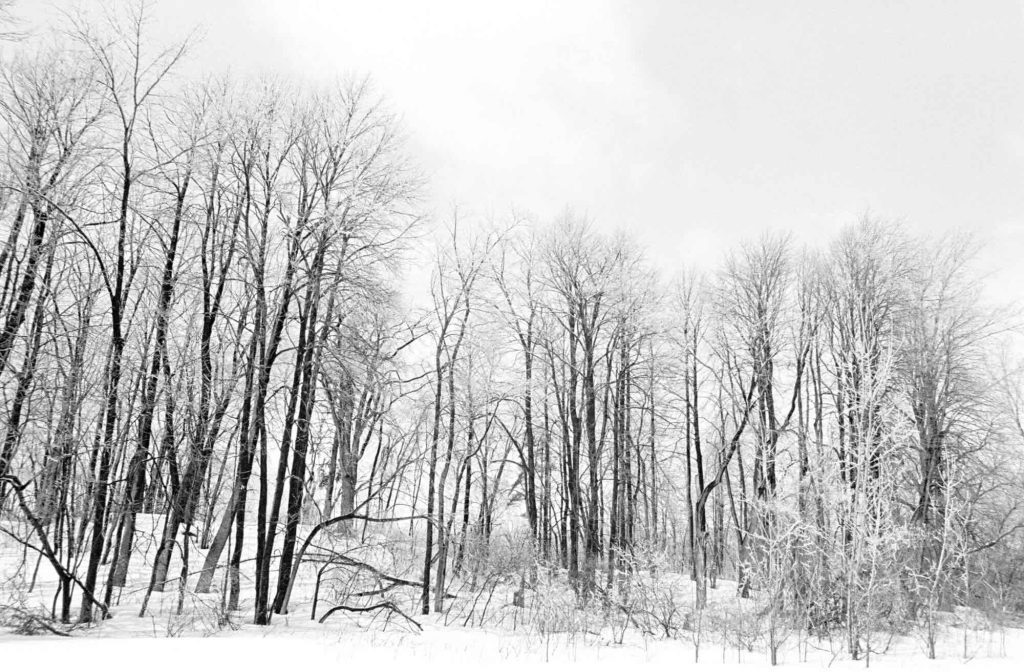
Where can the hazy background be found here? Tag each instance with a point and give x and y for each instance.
(693, 124)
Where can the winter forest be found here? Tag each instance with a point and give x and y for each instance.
(249, 383)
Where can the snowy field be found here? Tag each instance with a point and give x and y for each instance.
(544, 632)
(334, 647)
(481, 629)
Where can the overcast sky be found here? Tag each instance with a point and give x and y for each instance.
(693, 124)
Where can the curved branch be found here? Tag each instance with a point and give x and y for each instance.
(390, 606)
(319, 528)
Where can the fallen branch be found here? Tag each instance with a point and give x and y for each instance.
(390, 606)
(319, 528)
(26, 621)
(347, 561)
(397, 581)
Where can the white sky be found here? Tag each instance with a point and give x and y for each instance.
(694, 124)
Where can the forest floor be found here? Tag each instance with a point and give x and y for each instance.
(481, 627)
(347, 646)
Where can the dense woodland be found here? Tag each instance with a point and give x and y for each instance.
(232, 337)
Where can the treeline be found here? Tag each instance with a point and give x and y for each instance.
(203, 347)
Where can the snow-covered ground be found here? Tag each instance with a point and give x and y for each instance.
(547, 630)
(337, 648)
